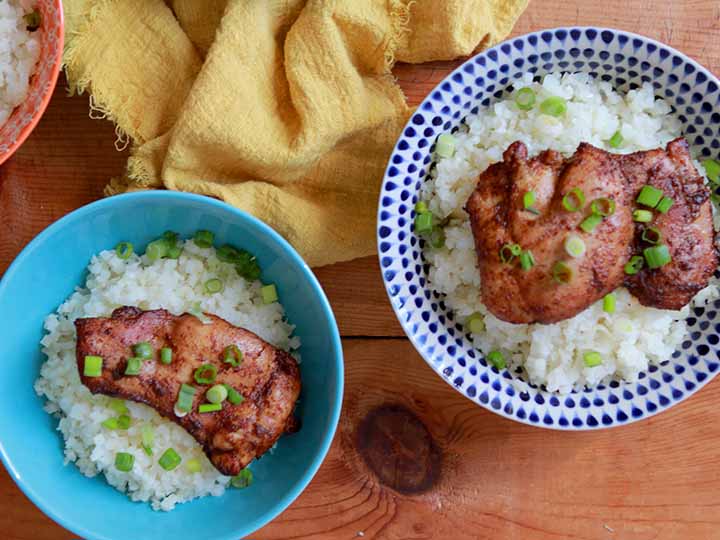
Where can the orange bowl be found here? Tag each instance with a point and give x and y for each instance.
(42, 83)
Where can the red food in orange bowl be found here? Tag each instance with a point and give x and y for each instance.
(46, 18)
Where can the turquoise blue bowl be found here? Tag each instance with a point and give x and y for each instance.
(46, 273)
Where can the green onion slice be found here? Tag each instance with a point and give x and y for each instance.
(171, 237)
(423, 223)
(110, 423)
(124, 250)
(529, 198)
(616, 140)
(147, 434)
(475, 323)
(185, 398)
(651, 235)
(561, 272)
(657, 256)
(143, 350)
(119, 406)
(166, 355)
(193, 466)
(93, 366)
(242, 480)
(604, 206)
(649, 196)
(574, 246)
(124, 462)
(247, 266)
(195, 311)
(217, 394)
(227, 253)
(437, 237)
(497, 359)
(642, 216)
(234, 396)
(421, 207)
(527, 261)
(525, 98)
(169, 460)
(133, 366)
(205, 374)
(664, 205)
(634, 265)
(204, 239)
(209, 407)
(592, 359)
(554, 106)
(173, 252)
(573, 200)
(232, 355)
(712, 170)
(508, 252)
(124, 421)
(269, 294)
(156, 249)
(213, 286)
(445, 145)
(589, 223)
(609, 303)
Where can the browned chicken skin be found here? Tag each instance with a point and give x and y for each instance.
(498, 217)
(268, 378)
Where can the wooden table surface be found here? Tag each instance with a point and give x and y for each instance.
(455, 471)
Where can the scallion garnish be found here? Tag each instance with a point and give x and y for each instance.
(421, 207)
(525, 98)
(423, 223)
(634, 265)
(437, 237)
(217, 394)
(124, 421)
(242, 480)
(195, 311)
(205, 374)
(269, 294)
(193, 466)
(573, 200)
(445, 145)
(553, 106)
(592, 359)
(508, 252)
(616, 140)
(232, 355)
(609, 303)
(651, 235)
(529, 198)
(527, 261)
(110, 423)
(561, 273)
(169, 460)
(574, 246)
(166, 355)
(604, 206)
(589, 223)
(124, 250)
(712, 170)
(118, 405)
(185, 398)
(133, 366)
(209, 407)
(173, 252)
(156, 249)
(93, 366)
(497, 359)
(642, 216)
(227, 253)
(664, 205)
(475, 323)
(657, 256)
(204, 239)
(234, 396)
(213, 286)
(147, 434)
(124, 462)
(143, 350)
(649, 196)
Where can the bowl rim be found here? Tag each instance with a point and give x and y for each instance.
(397, 309)
(48, 93)
(247, 527)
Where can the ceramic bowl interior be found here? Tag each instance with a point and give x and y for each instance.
(48, 271)
(626, 60)
(42, 83)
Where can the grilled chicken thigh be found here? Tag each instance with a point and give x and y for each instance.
(499, 217)
(267, 378)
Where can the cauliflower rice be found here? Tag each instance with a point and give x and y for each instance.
(175, 285)
(19, 52)
(551, 355)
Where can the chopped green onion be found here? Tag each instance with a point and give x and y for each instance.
(209, 407)
(634, 265)
(553, 106)
(234, 396)
(195, 311)
(592, 359)
(423, 222)
(509, 251)
(124, 250)
(242, 480)
(205, 374)
(421, 207)
(232, 355)
(525, 98)
(657, 256)
(642, 216)
(649, 196)
(185, 398)
(573, 200)
(147, 434)
(169, 460)
(609, 303)
(118, 405)
(204, 239)
(561, 272)
(32, 20)
(143, 350)
(269, 294)
(156, 249)
(193, 466)
(651, 235)
(527, 261)
(475, 323)
(445, 145)
(217, 394)
(603, 206)
(589, 223)
(133, 366)
(124, 462)
(616, 140)
(528, 201)
(227, 253)
(664, 205)
(213, 286)
(437, 237)
(166, 355)
(497, 359)
(173, 252)
(124, 421)
(171, 237)
(247, 266)
(110, 423)
(574, 246)
(93, 366)
(712, 170)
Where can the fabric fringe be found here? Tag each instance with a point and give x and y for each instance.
(400, 23)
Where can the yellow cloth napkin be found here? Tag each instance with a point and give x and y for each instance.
(285, 109)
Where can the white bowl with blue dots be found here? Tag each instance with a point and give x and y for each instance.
(626, 60)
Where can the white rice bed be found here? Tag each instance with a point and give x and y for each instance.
(19, 52)
(551, 355)
(175, 285)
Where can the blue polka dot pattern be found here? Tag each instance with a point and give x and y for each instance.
(625, 59)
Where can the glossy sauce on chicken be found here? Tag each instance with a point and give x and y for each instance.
(499, 217)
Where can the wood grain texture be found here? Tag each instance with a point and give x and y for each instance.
(493, 479)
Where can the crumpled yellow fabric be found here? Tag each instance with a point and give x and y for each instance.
(285, 109)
